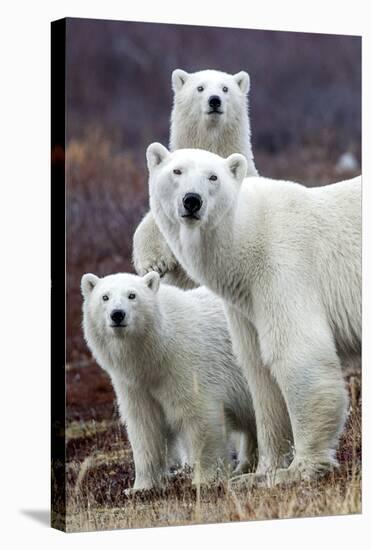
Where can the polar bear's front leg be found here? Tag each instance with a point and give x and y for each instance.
(309, 375)
(149, 439)
(317, 401)
(150, 249)
(152, 253)
(272, 420)
(247, 454)
(207, 448)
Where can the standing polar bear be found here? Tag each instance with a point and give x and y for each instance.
(210, 112)
(287, 262)
(170, 359)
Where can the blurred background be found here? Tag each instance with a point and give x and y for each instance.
(305, 107)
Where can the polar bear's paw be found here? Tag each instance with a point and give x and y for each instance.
(150, 250)
(248, 481)
(281, 476)
(243, 468)
(162, 265)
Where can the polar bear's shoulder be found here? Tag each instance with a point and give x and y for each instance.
(273, 207)
(270, 187)
(283, 193)
(266, 198)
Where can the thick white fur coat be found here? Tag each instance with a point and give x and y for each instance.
(287, 262)
(179, 389)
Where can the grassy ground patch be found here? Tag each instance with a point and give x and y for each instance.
(100, 467)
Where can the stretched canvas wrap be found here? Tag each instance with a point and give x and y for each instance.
(206, 266)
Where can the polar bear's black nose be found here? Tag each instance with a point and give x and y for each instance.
(192, 202)
(215, 102)
(117, 316)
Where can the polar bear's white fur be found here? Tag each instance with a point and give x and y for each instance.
(287, 262)
(170, 359)
(223, 129)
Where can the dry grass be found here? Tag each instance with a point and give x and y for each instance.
(100, 468)
(337, 496)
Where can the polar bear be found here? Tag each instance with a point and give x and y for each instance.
(169, 355)
(210, 112)
(287, 262)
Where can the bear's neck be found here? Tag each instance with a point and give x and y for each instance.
(223, 138)
(210, 254)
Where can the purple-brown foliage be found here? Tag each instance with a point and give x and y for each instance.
(105, 200)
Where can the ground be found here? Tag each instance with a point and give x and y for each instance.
(100, 467)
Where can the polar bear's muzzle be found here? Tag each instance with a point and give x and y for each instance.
(117, 318)
(215, 104)
(192, 203)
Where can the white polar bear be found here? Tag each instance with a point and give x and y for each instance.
(170, 359)
(210, 112)
(287, 262)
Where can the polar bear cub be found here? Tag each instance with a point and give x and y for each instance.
(210, 111)
(169, 356)
(287, 262)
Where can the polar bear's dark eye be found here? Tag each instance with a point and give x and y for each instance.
(213, 177)
(131, 296)
(177, 171)
(225, 89)
(200, 88)
(105, 298)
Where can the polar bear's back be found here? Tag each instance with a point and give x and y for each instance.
(341, 199)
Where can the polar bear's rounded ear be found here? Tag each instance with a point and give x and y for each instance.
(88, 282)
(152, 280)
(156, 153)
(178, 79)
(237, 165)
(243, 81)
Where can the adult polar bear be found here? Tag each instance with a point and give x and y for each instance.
(170, 359)
(209, 112)
(287, 262)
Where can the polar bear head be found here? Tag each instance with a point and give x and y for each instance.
(212, 97)
(192, 186)
(119, 304)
